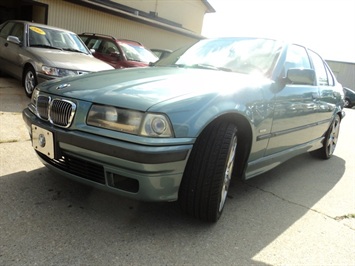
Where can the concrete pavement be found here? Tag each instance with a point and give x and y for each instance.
(297, 214)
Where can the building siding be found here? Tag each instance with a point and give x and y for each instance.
(188, 13)
(82, 19)
(344, 72)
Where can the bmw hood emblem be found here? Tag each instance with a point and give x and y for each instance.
(63, 86)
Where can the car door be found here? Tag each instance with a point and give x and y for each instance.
(110, 53)
(4, 33)
(330, 91)
(96, 44)
(10, 52)
(296, 107)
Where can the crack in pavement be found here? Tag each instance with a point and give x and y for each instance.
(337, 218)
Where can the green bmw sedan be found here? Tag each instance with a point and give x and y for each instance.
(184, 129)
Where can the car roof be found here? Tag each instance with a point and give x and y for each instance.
(37, 25)
(104, 36)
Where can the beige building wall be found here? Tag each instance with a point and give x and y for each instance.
(344, 72)
(175, 10)
(81, 19)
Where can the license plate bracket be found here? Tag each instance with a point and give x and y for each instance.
(42, 141)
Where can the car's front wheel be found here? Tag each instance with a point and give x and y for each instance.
(29, 80)
(204, 187)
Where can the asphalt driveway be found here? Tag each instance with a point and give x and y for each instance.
(301, 213)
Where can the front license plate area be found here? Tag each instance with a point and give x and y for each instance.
(42, 141)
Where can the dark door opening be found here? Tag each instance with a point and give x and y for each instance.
(24, 10)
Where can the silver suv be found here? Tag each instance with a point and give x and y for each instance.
(34, 53)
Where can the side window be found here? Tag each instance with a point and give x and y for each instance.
(297, 57)
(319, 67)
(18, 31)
(5, 31)
(94, 44)
(109, 48)
(84, 38)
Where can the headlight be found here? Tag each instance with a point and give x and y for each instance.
(156, 125)
(58, 72)
(133, 122)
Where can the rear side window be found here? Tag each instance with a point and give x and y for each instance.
(324, 76)
(84, 38)
(331, 81)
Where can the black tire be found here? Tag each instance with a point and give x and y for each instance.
(330, 140)
(204, 187)
(29, 80)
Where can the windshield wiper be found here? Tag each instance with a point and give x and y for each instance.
(204, 66)
(73, 50)
(46, 46)
(135, 60)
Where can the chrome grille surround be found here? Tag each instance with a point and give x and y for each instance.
(59, 112)
(42, 107)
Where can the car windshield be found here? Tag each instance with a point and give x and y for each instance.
(138, 53)
(55, 39)
(242, 55)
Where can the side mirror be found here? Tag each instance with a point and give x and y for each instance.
(115, 54)
(13, 39)
(92, 51)
(300, 76)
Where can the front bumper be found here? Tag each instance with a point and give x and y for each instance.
(149, 173)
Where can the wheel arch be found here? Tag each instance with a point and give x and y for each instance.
(340, 113)
(29, 82)
(244, 140)
(25, 66)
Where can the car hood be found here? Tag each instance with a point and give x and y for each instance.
(69, 60)
(142, 88)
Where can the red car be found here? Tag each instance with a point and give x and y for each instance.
(119, 53)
